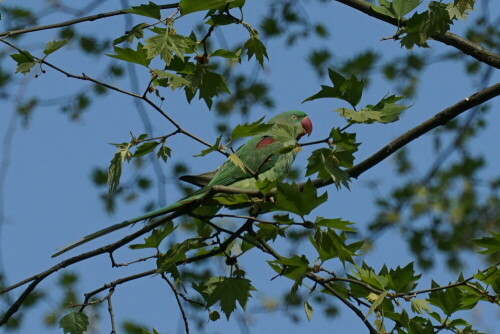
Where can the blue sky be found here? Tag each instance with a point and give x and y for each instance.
(49, 199)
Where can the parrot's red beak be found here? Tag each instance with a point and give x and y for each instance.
(307, 126)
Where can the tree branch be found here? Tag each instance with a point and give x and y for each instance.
(438, 119)
(462, 44)
(90, 18)
(321, 281)
(176, 294)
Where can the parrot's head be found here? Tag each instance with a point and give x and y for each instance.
(294, 118)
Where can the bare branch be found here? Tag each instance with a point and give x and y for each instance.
(111, 313)
(90, 18)
(181, 308)
(462, 44)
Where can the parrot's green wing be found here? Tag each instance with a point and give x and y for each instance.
(265, 156)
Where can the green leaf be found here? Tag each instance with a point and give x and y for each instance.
(336, 223)
(420, 27)
(167, 79)
(138, 56)
(191, 6)
(164, 153)
(422, 326)
(115, 167)
(420, 306)
(53, 46)
(416, 31)
(367, 275)
(309, 310)
(74, 323)
(347, 89)
(177, 252)
(439, 20)
(490, 277)
(167, 44)
(254, 46)
(324, 162)
(378, 300)
(220, 20)
(156, 237)
(385, 111)
(294, 268)
(211, 149)
(330, 245)
(403, 7)
(227, 291)
(136, 31)
(247, 130)
(114, 172)
(459, 9)
(492, 244)
(448, 300)
(145, 148)
(397, 8)
(150, 10)
(227, 54)
(345, 146)
(403, 280)
(384, 8)
(301, 202)
(283, 219)
(25, 61)
(208, 84)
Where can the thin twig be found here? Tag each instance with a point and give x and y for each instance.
(320, 280)
(111, 285)
(326, 140)
(75, 21)
(117, 265)
(111, 313)
(179, 303)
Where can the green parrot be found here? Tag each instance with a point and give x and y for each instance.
(267, 155)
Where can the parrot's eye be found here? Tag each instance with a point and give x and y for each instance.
(294, 117)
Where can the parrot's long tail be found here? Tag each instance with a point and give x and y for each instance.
(166, 209)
